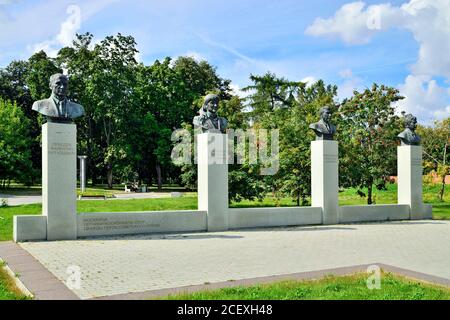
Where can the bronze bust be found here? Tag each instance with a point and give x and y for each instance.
(324, 129)
(409, 137)
(208, 120)
(58, 108)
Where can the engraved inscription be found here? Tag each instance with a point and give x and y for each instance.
(417, 162)
(331, 159)
(63, 149)
(104, 224)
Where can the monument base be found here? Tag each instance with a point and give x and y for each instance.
(29, 228)
(325, 180)
(59, 180)
(213, 179)
(410, 175)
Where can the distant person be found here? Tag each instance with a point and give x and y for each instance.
(58, 108)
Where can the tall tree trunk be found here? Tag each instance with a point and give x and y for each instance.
(109, 176)
(298, 199)
(369, 194)
(159, 177)
(441, 193)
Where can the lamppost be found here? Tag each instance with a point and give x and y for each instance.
(83, 172)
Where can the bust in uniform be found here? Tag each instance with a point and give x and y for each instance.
(208, 120)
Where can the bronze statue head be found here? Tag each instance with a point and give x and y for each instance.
(59, 85)
(211, 103)
(410, 122)
(325, 114)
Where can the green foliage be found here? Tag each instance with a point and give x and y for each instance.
(436, 144)
(8, 290)
(368, 128)
(40, 68)
(132, 110)
(15, 162)
(290, 107)
(351, 287)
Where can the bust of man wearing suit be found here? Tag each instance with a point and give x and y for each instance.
(208, 120)
(409, 137)
(58, 108)
(324, 129)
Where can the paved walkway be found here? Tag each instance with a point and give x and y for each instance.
(119, 265)
(14, 200)
(20, 200)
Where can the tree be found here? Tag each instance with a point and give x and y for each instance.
(367, 131)
(435, 142)
(110, 85)
(13, 86)
(15, 155)
(201, 78)
(40, 68)
(294, 177)
(78, 61)
(288, 106)
(270, 93)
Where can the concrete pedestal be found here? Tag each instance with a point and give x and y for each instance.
(59, 181)
(213, 179)
(410, 172)
(325, 180)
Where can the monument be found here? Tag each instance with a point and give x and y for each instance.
(212, 156)
(57, 108)
(410, 171)
(409, 137)
(59, 182)
(208, 120)
(323, 129)
(324, 168)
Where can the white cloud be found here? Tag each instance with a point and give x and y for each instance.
(350, 83)
(425, 97)
(354, 23)
(310, 80)
(66, 33)
(236, 89)
(194, 55)
(76, 14)
(427, 20)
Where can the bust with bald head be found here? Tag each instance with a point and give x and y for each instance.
(58, 108)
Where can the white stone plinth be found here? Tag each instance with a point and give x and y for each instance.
(325, 180)
(410, 172)
(30, 228)
(59, 180)
(213, 179)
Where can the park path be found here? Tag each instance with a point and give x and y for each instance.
(14, 200)
(120, 265)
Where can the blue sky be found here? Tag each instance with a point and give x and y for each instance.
(255, 36)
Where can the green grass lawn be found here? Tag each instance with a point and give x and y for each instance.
(8, 291)
(441, 210)
(353, 287)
